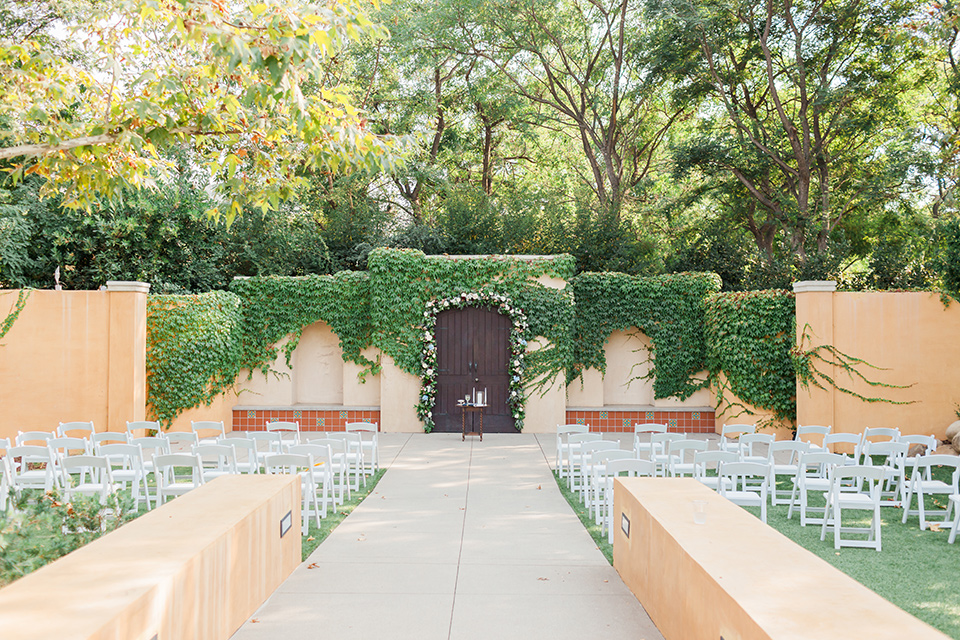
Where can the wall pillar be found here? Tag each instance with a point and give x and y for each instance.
(815, 327)
(126, 353)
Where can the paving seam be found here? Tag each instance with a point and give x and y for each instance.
(463, 530)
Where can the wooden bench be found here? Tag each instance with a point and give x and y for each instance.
(734, 577)
(197, 567)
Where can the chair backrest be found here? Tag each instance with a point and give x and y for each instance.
(147, 426)
(352, 438)
(272, 439)
(574, 438)
(182, 438)
(792, 447)
(631, 467)
(744, 469)
(894, 453)
(703, 459)
(216, 426)
(167, 463)
(747, 441)
(35, 437)
(288, 462)
(63, 446)
(364, 427)
(924, 463)
(588, 449)
(661, 441)
(336, 446)
(322, 453)
(283, 426)
(121, 437)
(151, 445)
(98, 467)
(224, 456)
(31, 452)
(818, 463)
(736, 430)
(566, 430)
(857, 472)
(879, 434)
(123, 455)
(929, 443)
(649, 427)
(831, 440)
(812, 433)
(680, 447)
(78, 429)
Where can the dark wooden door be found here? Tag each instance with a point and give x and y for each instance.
(473, 351)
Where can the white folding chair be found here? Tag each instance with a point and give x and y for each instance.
(745, 484)
(880, 434)
(660, 449)
(679, 461)
(584, 471)
(597, 488)
(812, 477)
(613, 469)
(28, 472)
(369, 442)
(642, 433)
(754, 447)
(126, 466)
(33, 438)
(75, 429)
(813, 435)
(705, 461)
(248, 457)
(208, 431)
(267, 442)
(289, 431)
(322, 470)
(783, 458)
(921, 484)
(93, 477)
(730, 435)
(352, 456)
(564, 431)
(929, 444)
(847, 485)
(837, 442)
(142, 428)
(216, 460)
(339, 467)
(68, 446)
(300, 465)
(170, 475)
(574, 459)
(181, 441)
(151, 446)
(891, 457)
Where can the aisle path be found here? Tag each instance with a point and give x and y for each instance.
(460, 540)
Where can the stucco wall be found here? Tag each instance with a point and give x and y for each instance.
(73, 355)
(911, 335)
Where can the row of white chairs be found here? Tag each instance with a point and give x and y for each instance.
(748, 477)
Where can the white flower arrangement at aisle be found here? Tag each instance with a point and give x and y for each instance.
(428, 360)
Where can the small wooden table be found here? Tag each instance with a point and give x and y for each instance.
(464, 410)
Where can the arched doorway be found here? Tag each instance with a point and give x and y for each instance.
(473, 351)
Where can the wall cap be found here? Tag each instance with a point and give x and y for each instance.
(808, 286)
(128, 285)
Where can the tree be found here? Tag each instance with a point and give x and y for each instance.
(801, 107)
(241, 84)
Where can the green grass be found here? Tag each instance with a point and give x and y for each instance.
(316, 535)
(917, 570)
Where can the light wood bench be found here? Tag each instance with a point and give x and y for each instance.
(197, 567)
(736, 578)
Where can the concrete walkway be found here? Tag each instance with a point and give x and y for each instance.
(460, 540)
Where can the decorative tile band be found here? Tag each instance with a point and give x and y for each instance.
(326, 420)
(610, 420)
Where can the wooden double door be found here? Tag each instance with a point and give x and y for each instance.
(473, 352)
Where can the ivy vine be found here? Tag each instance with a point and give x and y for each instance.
(669, 309)
(18, 306)
(193, 350)
(749, 340)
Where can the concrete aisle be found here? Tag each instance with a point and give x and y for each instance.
(460, 540)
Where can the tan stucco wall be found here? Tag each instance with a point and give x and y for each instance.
(545, 407)
(194, 569)
(627, 354)
(361, 392)
(73, 355)
(911, 335)
(399, 392)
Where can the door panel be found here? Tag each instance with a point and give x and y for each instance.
(473, 351)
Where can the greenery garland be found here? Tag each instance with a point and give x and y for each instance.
(193, 350)
(518, 345)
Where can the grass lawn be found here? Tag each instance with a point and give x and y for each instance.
(316, 535)
(917, 570)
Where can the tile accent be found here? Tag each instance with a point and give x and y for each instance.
(616, 421)
(251, 413)
(343, 414)
(321, 422)
(298, 414)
